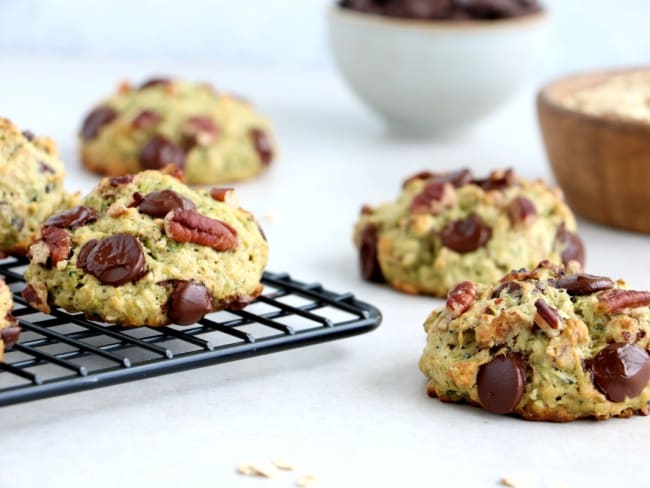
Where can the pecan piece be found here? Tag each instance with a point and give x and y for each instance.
(616, 299)
(583, 284)
(120, 180)
(497, 181)
(547, 317)
(456, 178)
(10, 334)
(58, 242)
(225, 195)
(521, 211)
(37, 298)
(199, 130)
(461, 298)
(569, 246)
(146, 119)
(184, 225)
(433, 198)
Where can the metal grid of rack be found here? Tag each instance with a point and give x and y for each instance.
(61, 353)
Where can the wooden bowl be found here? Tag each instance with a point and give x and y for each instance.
(602, 163)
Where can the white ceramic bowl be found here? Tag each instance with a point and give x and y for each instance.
(428, 77)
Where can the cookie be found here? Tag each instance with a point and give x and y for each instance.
(548, 344)
(213, 137)
(148, 250)
(9, 326)
(31, 186)
(445, 228)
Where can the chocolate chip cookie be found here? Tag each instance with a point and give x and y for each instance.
(212, 136)
(148, 250)
(445, 228)
(9, 326)
(548, 344)
(31, 186)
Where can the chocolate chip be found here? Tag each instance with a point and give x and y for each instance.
(189, 302)
(199, 130)
(120, 180)
(262, 145)
(154, 82)
(29, 135)
(621, 371)
(521, 211)
(583, 284)
(368, 259)
(95, 120)
(146, 119)
(501, 383)
(160, 152)
(73, 218)
(570, 246)
(114, 260)
(465, 235)
(10, 334)
(158, 203)
(236, 302)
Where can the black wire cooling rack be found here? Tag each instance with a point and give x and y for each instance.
(60, 353)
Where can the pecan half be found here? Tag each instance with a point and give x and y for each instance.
(547, 317)
(461, 298)
(58, 242)
(190, 226)
(616, 299)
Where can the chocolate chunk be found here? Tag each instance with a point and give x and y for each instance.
(501, 383)
(73, 218)
(114, 260)
(154, 82)
(158, 203)
(160, 152)
(465, 235)
(621, 371)
(583, 284)
(456, 178)
(146, 119)
(569, 246)
(262, 145)
(189, 302)
(120, 180)
(521, 211)
(236, 302)
(368, 258)
(29, 135)
(10, 334)
(95, 120)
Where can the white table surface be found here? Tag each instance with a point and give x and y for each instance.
(354, 412)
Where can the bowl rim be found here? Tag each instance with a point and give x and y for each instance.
(443, 25)
(546, 98)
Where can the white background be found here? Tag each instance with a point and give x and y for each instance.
(353, 412)
(281, 32)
